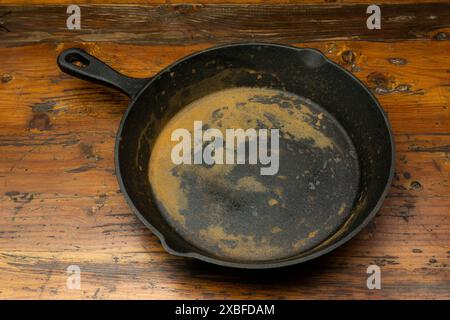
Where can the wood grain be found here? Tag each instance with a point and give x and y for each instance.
(60, 203)
(148, 2)
(219, 23)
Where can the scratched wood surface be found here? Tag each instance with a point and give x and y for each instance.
(60, 204)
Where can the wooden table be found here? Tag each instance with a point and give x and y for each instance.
(60, 204)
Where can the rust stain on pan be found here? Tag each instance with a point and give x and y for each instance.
(230, 210)
(238, 245)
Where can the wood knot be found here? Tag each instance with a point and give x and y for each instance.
(380, 82)
(348, 57)
(397, 61)
(6, 78)
(87, 150)
(441, 36)
(416, 185)
(40, 121)
(20, 197)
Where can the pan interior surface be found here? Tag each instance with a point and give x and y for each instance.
(232, 211)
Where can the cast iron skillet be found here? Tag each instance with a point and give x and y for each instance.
(336, 153)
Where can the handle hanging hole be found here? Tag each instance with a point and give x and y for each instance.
(77, 60)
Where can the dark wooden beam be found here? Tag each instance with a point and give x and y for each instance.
(193, 24)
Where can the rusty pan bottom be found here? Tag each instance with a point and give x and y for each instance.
(232, 211)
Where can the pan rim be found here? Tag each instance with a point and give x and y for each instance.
(256, 264)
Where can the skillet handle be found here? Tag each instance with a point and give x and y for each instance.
(80, 64)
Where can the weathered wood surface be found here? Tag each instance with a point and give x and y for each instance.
(60, 203)
(158, 2)
(219, 23)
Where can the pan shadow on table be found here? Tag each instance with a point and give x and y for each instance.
(303, 274)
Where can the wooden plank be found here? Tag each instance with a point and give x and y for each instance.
(60, 203)
(148, 2)
(34, 80)
(220, 23)
(129, 263)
